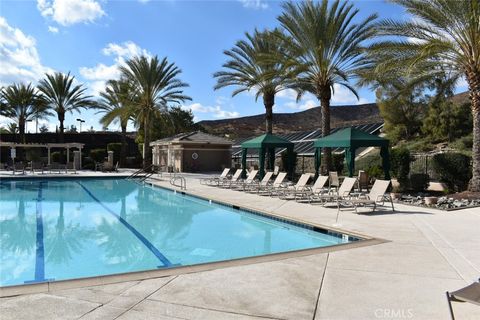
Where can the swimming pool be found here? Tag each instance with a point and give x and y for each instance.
(58, 229)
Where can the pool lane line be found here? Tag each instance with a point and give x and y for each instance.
(39, 248)
(148, 244)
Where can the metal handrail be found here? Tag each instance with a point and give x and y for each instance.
(139, 172)
(183, 182)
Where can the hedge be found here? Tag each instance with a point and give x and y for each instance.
(453, 169)
(400, 166)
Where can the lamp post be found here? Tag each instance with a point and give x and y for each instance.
(80, 126)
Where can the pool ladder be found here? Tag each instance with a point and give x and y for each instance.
(183, 182)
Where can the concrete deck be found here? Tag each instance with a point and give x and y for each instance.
(429, 252)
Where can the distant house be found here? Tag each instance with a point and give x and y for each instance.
(192, 152)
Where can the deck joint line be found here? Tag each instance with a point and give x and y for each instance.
(131, 228)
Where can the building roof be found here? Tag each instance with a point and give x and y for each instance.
(303, 140)
(197, 137)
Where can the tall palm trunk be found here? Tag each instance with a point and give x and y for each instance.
(268, 102)
(473, 79)
(324, 97)
(147, 155)
(123, 149)
(61, 119)
(21, 130)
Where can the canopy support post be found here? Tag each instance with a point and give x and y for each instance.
(317, 161)
(350, 157)
(244, 163)
(261, 159)
(291, 164)
(385, 161)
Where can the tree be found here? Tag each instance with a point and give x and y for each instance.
(174, 121)
(43, 128)
(443, 36)
(156, 85)
(118, 103)
(402, 107)
(254, 64)
(326, 48)
(62, 96)
(12, 127)
(23, 103)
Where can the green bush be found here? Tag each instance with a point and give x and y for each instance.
(87, 163)
(453, 169)
(400, 166)
(58, 157)
(375, 171)
(338, 162)
(33, 154)
(419, 182)
(98, 155)
(284, 163)
(116, 147)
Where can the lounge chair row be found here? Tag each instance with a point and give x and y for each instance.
(340, 194)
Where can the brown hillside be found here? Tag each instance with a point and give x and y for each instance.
(298, 121)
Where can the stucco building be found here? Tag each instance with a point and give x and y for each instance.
(192, 152)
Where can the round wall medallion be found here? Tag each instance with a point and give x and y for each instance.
(194, 156)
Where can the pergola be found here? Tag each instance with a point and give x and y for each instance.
(263, 143)
(351, 139)
(48, 146)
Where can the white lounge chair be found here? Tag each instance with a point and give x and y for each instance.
(227, 182)
(242, 184)
(215, 180)
(376, 195)
(277, 184)
(292, 192)
(318, 188)
(256, 186)
(342, 193)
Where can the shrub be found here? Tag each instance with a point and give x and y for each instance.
(98, 155)
(116, 147)
(57, 156)
(338, 162)
(453, 169)
(33, 154)
(400, 166)
(419, 182)
(284, 162)
(87, 163)
(375, 171)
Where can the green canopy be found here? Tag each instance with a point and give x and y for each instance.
(351, 139)
(263, 143)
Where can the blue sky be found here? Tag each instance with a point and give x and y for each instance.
(90, 38)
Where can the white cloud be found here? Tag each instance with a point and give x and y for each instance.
(289, 94)
(214, 111)
(254, 4)
(52, 29)
(303, 105)
(68, 12)
(19, 58)
(344, 96)
(99, 74)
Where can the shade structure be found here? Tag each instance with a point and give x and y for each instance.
(263, 143)
(351, 139)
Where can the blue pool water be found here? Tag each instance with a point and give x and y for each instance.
(73, 228)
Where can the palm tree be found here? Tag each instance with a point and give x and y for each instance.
(23, 103)
(62, 96)
(326, 49)
(156, 85)
(443, 37)
(254, 65)
(117, 102)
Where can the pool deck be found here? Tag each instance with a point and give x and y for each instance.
(428, 253)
